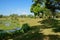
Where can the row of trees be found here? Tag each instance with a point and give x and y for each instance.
(16, 15)
(45, 14)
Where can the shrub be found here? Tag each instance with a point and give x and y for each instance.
(26, 27)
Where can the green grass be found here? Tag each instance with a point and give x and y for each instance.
(30, 21)
(13, 24)
(18, 23)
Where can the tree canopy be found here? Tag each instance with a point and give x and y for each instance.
(1, 16)
(40, 5)
(37, 7)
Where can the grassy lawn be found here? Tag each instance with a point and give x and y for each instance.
(15, 23)
(21, 21)
(30, 21)
(6, 24)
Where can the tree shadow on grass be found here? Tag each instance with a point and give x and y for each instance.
(32, 34)
(57, 29)
(52, 37)
(51, 23)
(35, 34)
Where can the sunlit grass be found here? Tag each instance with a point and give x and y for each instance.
(30, 21)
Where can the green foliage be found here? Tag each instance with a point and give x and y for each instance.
(36, 1)
(30, 16)
(1, 16)
(14, 15)
(25, 27)
(3, 34)
(36, 9)
(6, 35)
(23, 16)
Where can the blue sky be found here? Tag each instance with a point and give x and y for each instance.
(8, 7)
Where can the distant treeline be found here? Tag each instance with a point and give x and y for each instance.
(16, 15)
(26, 16)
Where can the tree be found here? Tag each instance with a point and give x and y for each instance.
(14, 16)
(25, 27)
(23, 16)
(30, 16)
(1, 16)
(37, 7)
(52, 5)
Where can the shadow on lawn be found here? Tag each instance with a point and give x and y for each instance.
(30, 33)
(30, 36)
(51, 23)
(35, 34)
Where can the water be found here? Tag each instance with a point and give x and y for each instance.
(10, 31)
(18, 28)
(13, 30)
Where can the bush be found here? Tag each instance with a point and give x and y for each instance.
(26, 27)
(3, 35)
(1, 16)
